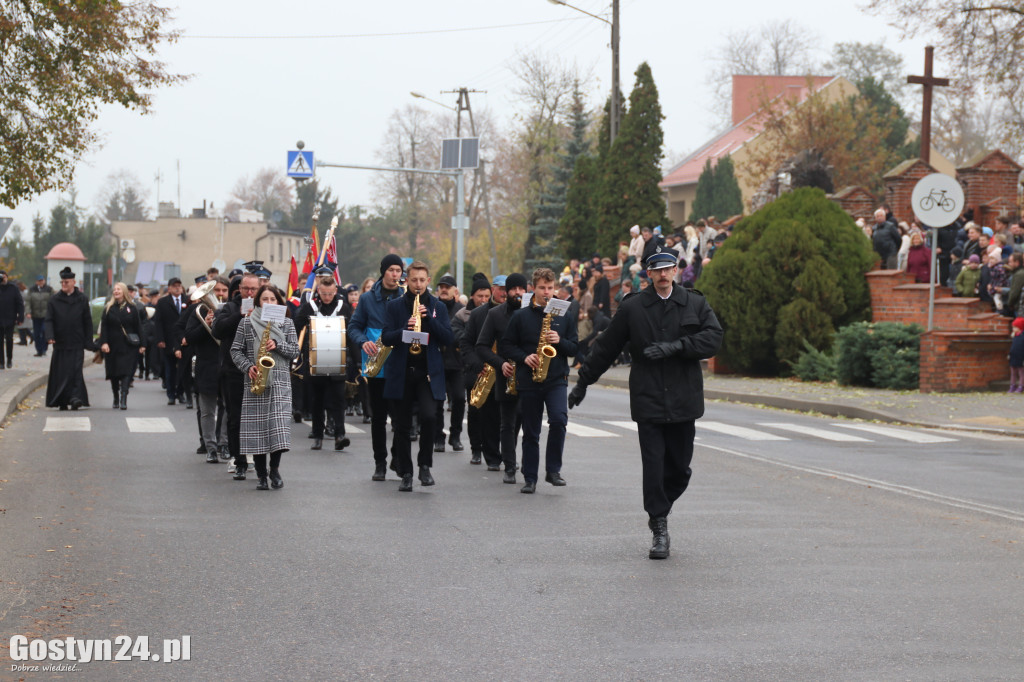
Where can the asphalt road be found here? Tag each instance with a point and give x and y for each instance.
(798, 559)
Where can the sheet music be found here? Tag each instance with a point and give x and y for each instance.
(247, 305)
(557, 306)
(273, 312)
(408, 336)
(526, 300)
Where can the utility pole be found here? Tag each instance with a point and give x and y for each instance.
(615, 114)
(480, 173)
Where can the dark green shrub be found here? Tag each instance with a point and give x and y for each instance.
(884, 354)
(800, 248)
(815, 365)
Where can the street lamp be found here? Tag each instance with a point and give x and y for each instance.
(420, 95)
(613, 123)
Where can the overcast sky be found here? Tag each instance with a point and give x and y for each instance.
(309, 70)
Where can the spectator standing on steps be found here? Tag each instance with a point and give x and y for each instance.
(885, 237)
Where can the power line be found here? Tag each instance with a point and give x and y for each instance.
(381, 35)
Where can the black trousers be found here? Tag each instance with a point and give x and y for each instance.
(259, 462)
(454, 386)
(473, 426)
(489, 423)
(6, 337)
(511, 424)
(232, 384)
(328, 393)
(171, 373)
(378, 421)
(666, 451)
(417, 393)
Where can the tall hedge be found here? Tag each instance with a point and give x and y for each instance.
(792, 272)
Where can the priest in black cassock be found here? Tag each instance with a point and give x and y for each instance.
(69, 331)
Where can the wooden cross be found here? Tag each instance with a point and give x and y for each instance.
(928, 81)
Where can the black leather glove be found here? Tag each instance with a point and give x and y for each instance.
(576, 395)
(659, 350)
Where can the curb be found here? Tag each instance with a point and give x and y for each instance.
(12, 397)
(828, 409)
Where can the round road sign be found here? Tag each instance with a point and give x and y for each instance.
(937, 200)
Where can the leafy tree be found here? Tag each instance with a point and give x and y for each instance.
(789, 273)
(859, 61)
(632, 170)
(893, 123)
(68, 223)
(547, 246)
(61, 62)
(21, 262)
(267, 191)
(718, 192)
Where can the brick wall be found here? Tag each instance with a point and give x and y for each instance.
(856, 201)
(990, 186)
(899, 185)
(965, 351)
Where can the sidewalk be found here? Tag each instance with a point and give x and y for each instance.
(991, 412)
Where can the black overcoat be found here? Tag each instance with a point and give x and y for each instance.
(116, 322)
(69, 325)
(207, 353)
(668, 390)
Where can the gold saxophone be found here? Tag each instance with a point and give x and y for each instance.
(545, 351)
(264, 362)
(510, 385)
(416, 348)
(375, 363)
(484, 383)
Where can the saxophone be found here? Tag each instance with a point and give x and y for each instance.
(510, 385)
(484, 383)
(375, 363)
(264, 362)
(545, 351)
(416, 348)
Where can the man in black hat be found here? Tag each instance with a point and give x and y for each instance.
(326, 391)
(69, 331)
(168, 336)
(12, 313)
(447, 290)
(365, 329)
(668, 330)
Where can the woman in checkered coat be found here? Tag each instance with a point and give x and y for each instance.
(266, 419)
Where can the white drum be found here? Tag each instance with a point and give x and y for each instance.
(327, 352)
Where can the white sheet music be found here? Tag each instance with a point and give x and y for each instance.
(273, 312)
(557, 306)
(526, 300)
(247, 305)
(408, 336)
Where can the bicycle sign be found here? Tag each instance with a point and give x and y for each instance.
(937, 200)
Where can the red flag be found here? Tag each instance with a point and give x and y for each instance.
(313, 254)
(293, 277)
(332, 257)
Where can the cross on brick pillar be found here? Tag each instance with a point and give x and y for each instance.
(928, 81)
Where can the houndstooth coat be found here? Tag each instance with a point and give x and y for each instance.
(266, 419)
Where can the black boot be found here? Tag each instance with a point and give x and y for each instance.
(275, 479)
(262, 483)
(124, 393)
(425, 477)
(379, 472)
(406, 485)
(660, 544)
(116, 388)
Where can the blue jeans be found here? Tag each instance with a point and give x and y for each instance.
(531, 404)
(39, 335)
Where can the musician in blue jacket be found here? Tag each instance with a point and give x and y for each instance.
(415, 377)
(364, 329)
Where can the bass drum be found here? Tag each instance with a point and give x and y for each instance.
(327, 350)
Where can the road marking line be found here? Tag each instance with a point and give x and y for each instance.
(149, 424)
(738, 431)
(629, 426)
(67, 424)
(353, 429)
(899, 434)
(959, 503)
(587, 432)
(817, 433)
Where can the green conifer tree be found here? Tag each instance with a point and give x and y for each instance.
(727, 200)
(702, 202)
(632, 170)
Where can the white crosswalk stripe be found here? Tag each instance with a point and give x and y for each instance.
(349, 429)
(899, 434)
(817, 433)
(67, 424)
(149, 425)
(581, 431)
(629, 426)
(738, 431)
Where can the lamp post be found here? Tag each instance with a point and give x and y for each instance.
(613, 118)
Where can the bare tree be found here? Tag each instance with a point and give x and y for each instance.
(984, 45)
(122, 197)
(267, 191)
(776, 48)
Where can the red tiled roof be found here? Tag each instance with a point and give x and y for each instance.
(689, 169)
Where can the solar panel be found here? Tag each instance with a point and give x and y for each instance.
(459, 153)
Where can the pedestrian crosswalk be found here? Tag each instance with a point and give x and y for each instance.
(765, 432)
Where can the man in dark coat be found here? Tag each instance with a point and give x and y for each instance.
(12, 313)
(520, 345)
(38, 296)
(668, 330)
(167, 336)
(885, 237)
(453, 378)
(415, 377)
(480, 421)
(493, 329)
(69, 331)
(602, 293)
(206, 350)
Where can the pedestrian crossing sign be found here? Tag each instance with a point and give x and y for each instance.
(300, 164)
